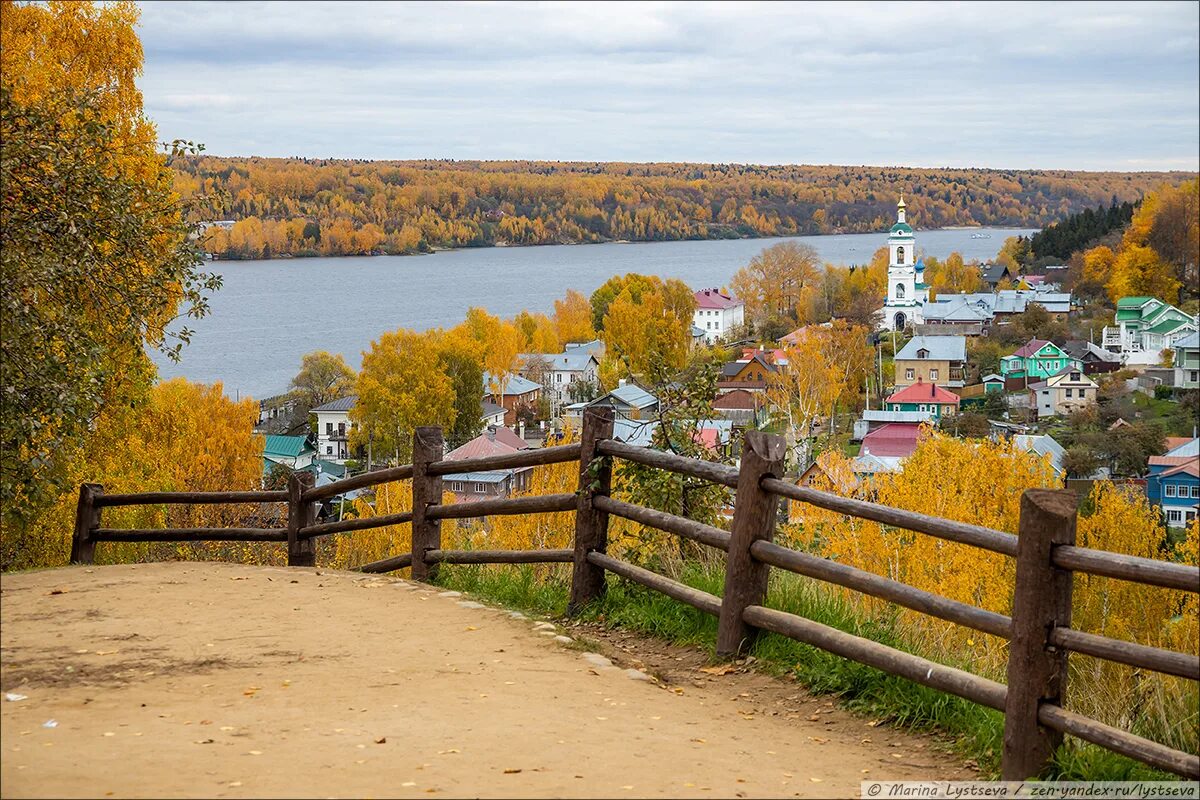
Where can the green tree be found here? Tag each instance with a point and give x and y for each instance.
(323, 377)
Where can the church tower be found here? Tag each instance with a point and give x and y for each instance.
(907, 293)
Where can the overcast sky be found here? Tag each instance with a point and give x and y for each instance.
(1070, 85)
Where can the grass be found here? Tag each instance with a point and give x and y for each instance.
(977, 731)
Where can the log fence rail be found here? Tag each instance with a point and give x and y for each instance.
(1039, 631)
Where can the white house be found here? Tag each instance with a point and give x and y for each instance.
(907, 293)
(559, 371)
(1144, 327)
(1187, 362)
(333, 428)
(717, 313)
(1062, 393)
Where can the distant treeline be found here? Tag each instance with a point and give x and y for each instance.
(344, 207)
(1077, 231)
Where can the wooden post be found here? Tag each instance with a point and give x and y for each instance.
(87, 519)
(754, 518)
(591, 524)
(301, 552)
(1037, 672)
(426, 492)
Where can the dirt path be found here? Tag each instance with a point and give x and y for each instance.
(217, 680)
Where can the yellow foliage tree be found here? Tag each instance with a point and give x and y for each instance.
(778, 282)
(573, 318)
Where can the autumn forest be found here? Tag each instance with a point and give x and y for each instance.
(315, 207)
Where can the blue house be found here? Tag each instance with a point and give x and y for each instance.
(1173, 483)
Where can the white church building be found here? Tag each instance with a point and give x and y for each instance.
(906, 291)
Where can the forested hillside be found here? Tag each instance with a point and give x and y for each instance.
(324, 207)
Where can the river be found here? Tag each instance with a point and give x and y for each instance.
(269, 313)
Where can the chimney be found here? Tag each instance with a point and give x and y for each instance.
(521, 429)
(620, 382)
(491, 433)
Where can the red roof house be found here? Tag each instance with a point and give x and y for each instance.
(894, 440)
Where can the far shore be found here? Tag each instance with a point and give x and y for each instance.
(440, 249)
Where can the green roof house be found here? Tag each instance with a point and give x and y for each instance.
(1038, 359)
(1144, 327)
(292, 452)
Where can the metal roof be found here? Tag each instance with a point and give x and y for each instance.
(286, 446)
(940, 348)
(341, 404)
(516, 385)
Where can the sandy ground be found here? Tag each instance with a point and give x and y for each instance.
(218, 680)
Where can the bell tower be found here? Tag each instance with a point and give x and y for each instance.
(906, 292)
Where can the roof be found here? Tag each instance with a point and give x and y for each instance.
(901, 229)
(569, 361)
(992, 378)
(698, 332)
(871, 415)
(941, 348)
(1082, 350)
(1042, 445)
(1192, 467)
(1191, 448)
(715, 298)
(895, 439)
(496, 441)
(736, 398)
(491, 476)
(287, 446)
(516, 385)
(341, 404)
(1190, 342)
(490, 409)
(631, 395)
(921, 392)
(1168, 325)
(994, 273)
(956, 309)
(868, 464)
(1032, 347)
(595, 347)
(1133, 302)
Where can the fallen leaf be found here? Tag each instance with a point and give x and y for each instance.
(204, 741)
(235, 784)
(720, 669)
(409, 783)
(381, 740)
(511, 771)
(255, 752)
(58, 591)
(815, 780)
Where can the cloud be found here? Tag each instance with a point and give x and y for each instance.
(1091, 86)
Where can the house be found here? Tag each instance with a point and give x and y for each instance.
(1060, 394)
(716, 435)
(490, 484)
(822, 475)
(492, 414)
(1044, 446)
(884, 448)
(995, 307)
(628, 400)
(923, 396)
(932, 359)
(750, 373)
(741, 407)
(560, 373)
(1039, 359)
(994, 275)
(1187, 362)
(717, 313)
(1173, 483)
(992, 383)
(333, 428)
(275, 413)
(1144, 327)
(519, 393)
(1094, 358)
(699, 338)
(290, 452)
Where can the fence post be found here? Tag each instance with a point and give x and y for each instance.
(591, 524)
(1037, 672)
(754, 518)
(301, 552)
(87, 519)
(426, 492)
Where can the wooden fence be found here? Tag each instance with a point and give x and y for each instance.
(1039, 631)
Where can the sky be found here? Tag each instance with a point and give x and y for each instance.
(1094, 86)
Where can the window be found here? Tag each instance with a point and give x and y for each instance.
(329, 429)
(341, 429)
(922, 353)
(900, 260)
(1194, 375)
(908, 374)
(1068, 391)
(479, 488)
(1075, 376)
(1196, 491)
(900, 291)
(921, 407)
(1169, 490)
(1082, 393)
(329, 450)
(1174, 515)
(933, 374)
